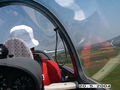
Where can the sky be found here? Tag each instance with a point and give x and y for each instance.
(81, 18)
(81, 12)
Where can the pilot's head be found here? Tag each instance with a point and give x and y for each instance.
(3, 51)
(26, 34)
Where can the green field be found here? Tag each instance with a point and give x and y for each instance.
(99, 57)
(97, 61)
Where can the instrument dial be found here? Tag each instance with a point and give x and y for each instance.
(3, 82)
(23, 83)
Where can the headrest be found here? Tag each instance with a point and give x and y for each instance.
(18, 48)
(3, 51)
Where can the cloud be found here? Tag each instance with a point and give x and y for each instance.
(30, 12)
(78, 12)
(79, 15)
(64, 3)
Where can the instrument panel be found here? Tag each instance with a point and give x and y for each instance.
(15, 79)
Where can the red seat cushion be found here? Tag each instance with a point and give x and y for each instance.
(51, 72)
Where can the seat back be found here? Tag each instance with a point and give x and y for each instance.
(18, 48)
(51, 70)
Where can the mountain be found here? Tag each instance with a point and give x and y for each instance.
(115, 41)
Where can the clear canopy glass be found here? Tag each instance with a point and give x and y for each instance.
(93, 26)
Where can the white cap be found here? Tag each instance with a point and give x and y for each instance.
(25, 33)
